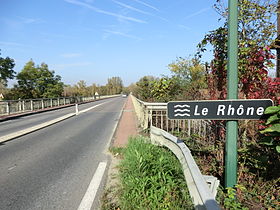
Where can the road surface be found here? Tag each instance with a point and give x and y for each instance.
(53, 167)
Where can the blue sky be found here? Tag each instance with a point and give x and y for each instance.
(93, 40)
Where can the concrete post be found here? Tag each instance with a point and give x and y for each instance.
(77, 109)
(23, 105)
(31, 105)
(8, 108)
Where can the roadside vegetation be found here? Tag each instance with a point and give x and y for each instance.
(150, 178)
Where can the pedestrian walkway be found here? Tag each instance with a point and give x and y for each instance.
(127, 126)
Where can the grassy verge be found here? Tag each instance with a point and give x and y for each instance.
(150, 178)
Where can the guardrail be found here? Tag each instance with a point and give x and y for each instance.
(29, 105)
(203, 189)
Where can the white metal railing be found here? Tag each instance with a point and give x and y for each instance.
(203, 189)
(29, 105)
(155, 114)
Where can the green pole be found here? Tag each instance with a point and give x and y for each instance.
(232, 87)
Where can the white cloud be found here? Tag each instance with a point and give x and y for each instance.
(26, 20)
(120, 34)
(147, 5)
(131, 8)
(70, 55)
(197, 13)
(184, 27)
(104, 12)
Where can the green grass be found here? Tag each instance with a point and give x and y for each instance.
(151, 178)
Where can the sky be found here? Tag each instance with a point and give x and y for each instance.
(93, 40)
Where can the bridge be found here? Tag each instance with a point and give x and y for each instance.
(53, 155)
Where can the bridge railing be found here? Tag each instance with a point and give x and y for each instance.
(155, 114)
(29, 105)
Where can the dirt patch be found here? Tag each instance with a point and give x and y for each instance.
(112, 187)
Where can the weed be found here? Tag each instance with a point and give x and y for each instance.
(151, 178)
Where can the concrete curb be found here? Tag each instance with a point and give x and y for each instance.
(34, 128)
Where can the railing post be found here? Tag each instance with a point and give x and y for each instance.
(19, 105)
(77, 110)
(8, 107)
(23, 105)
(58, 102)
(31, 105)
(42, 101)
(51, 103)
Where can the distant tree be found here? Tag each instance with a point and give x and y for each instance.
(93, 89)
(166, 89)
(68, 91)
(132, 88)
(103, 90)
(144, 88)
(114, 85)
(6, 70)
(190, 76)
(81, 89)
(38, 82)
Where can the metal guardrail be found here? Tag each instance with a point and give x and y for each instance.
(29, 105)
(203, 189)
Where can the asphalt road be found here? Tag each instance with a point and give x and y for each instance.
(52, 167)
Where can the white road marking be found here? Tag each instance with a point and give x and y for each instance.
(85, 110)
(11, 168)
(90, 194)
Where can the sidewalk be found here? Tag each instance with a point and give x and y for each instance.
(127, 125)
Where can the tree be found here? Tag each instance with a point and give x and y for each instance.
(81, 89)
(166, 89)
(38, 82)
(256, 31)
(144, 88)
(6, 70)
(114, 85)
(93, 89)
(190, 75)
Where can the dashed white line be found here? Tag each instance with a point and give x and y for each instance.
(85, 110)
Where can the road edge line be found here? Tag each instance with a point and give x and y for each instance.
(90, 194)
(34, 128)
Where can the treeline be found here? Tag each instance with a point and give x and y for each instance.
(114, 86)
(37, 81)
